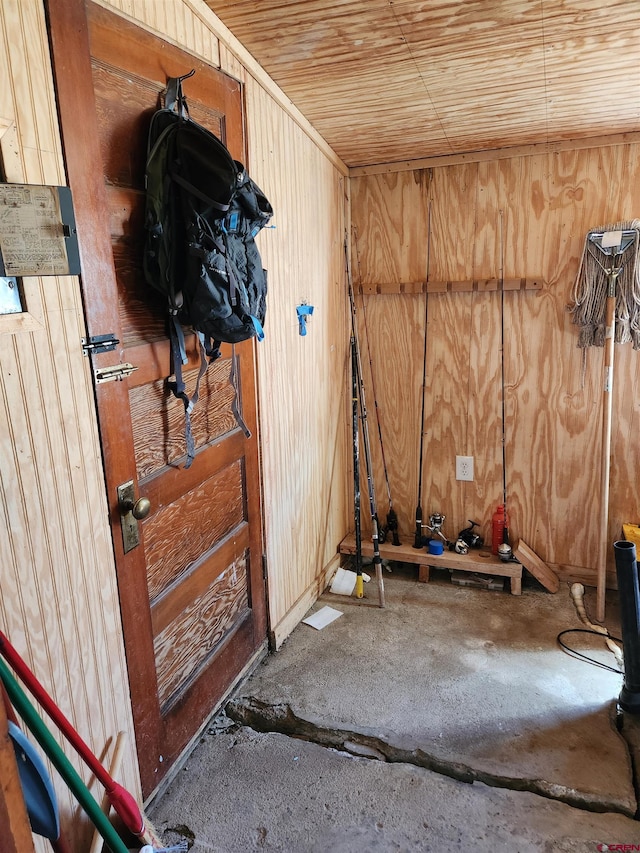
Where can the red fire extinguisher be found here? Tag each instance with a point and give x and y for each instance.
(499, 521)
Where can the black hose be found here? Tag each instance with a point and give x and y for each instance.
(629, 598)
(582, 656)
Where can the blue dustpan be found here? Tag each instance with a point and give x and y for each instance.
(37, 788)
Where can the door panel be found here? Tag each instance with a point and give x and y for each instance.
(208, 612)
(192, 593)
(170, 551)
(158, 428)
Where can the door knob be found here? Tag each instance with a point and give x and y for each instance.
(131, 511)
(139, 509)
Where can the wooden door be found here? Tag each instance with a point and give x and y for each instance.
(192, 593)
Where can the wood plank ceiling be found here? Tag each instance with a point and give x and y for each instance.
(393, 80)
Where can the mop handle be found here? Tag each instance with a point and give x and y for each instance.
(60, 761)
(114, 767)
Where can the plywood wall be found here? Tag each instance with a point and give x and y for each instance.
(524, 217)
(58, 601)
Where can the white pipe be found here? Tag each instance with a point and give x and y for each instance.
(577, 594)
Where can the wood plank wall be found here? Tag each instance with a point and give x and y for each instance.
(301, 378)
(525, 217)
(58, 601)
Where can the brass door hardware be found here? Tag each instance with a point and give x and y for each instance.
(131, 511)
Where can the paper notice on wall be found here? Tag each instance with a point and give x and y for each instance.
(31, 231)
(323, 617)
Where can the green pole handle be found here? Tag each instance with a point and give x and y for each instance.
(60, 761)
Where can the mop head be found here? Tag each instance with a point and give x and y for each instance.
(589, 297)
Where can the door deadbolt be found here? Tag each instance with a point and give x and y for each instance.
(131, 511)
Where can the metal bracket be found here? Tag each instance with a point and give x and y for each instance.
(117, 372)
(99, 343)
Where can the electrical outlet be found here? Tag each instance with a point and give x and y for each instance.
(464, 467)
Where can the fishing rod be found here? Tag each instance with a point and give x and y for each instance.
(505, 533)
(375, 535)
(418, 537)
(392, 517)
(356, 464)
(417, 543)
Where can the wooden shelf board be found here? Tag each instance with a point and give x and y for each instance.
(481, 561)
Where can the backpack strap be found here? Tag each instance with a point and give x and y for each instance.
(209, 352)
(212, 349)
(234, 381)
(178, 388)
(190, 188)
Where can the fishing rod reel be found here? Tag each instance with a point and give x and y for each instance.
(436, 521)
(459, 546)
(392, 526)
(382, 532)
(468, 535)
(505, 553)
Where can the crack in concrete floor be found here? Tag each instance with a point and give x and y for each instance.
(280, 718)
(628, 727)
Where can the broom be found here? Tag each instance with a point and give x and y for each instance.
(123, 803)
(606, 306)
(60, 761)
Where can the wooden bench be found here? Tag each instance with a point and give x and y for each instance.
(481, 561)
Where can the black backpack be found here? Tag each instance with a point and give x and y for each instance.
(202, 213)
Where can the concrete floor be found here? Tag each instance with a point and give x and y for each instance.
(448, 720)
